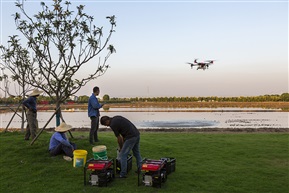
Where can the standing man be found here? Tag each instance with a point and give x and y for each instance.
(93, 113)
(30, 103)
(128, 138)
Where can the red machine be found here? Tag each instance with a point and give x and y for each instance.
(101, 172)
(154, 172)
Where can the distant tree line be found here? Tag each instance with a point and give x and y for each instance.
(106, 98)
(264, 98)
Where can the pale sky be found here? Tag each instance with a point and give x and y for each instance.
(154, 40)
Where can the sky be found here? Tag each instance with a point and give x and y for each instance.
(154, 40)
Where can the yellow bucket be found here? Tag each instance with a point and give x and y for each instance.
(79, 158)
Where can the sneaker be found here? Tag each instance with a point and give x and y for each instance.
(67, 158)
(120, 176)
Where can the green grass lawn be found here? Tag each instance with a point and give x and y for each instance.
(205, 163)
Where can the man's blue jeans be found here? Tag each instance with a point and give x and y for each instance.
(130, 144)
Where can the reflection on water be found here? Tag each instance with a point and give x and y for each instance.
(177, 124)
(163, 118)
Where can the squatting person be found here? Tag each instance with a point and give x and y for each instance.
(59, 143)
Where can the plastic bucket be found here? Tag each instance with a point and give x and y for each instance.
(99, 152)
(79, 158)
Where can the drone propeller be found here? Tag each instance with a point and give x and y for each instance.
(210, 60)
(192, 64)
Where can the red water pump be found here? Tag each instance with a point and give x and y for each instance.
(100, 172)
(154, 172)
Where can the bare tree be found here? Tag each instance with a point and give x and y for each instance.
(4, 80)
(16, 60)
(61, 43)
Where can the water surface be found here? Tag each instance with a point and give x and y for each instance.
(168, 118)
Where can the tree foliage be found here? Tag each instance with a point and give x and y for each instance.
(60, 42)
(84, 99)
(106, 97)
(17, 61)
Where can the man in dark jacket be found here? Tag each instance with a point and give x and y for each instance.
(128, 138)
(30, 103)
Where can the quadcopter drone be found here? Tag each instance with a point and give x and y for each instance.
(202, 65)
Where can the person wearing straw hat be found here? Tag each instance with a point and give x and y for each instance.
(93, 112)
(128, 138)
(59, 143)
(31, 104)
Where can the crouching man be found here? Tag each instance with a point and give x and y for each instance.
(128, 138)
(59, 143)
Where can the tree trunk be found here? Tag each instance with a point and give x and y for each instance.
(58, 114)
(23, 113)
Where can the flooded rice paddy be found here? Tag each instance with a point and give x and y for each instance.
(167, 118)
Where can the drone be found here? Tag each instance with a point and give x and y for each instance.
(202, 65)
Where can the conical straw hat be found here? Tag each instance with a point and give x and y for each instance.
(36, 92)
(63, 127)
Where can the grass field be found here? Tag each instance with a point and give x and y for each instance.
(205, 163)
